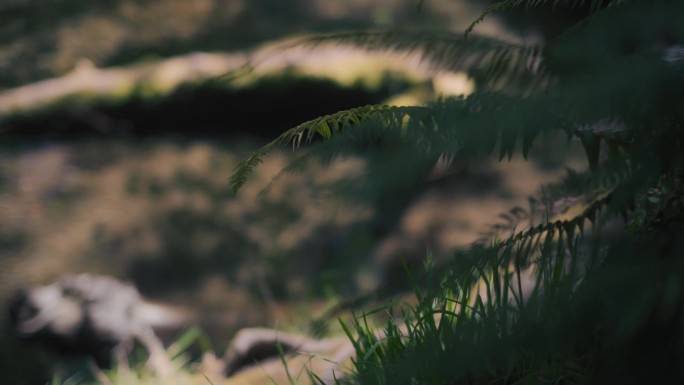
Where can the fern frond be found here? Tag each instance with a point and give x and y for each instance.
(568, 226)
(430, 130)
(492, 60)
(509, 5)
(324, 127)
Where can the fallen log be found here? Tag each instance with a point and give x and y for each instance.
(346, 65)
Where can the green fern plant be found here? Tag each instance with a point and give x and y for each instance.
(602, 309)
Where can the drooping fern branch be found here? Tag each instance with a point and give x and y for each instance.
(497, 63)
(324, 127)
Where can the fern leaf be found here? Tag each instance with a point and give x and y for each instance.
(324, 127)
(492, 59)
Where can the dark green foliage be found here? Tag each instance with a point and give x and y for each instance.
(605, 308)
